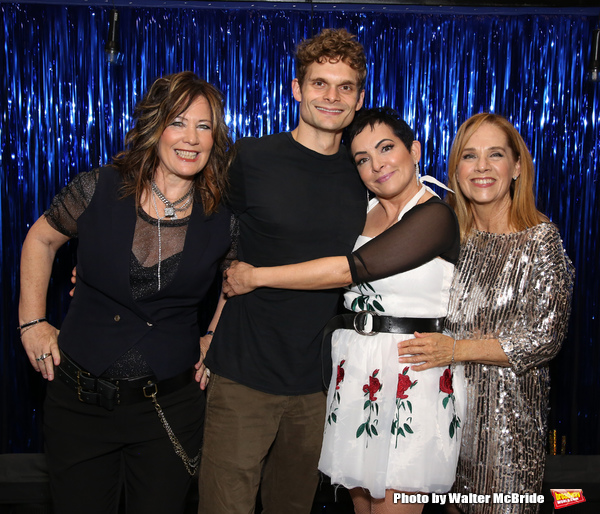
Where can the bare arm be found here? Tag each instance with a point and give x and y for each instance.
(324, 273)
(37, 256)
(202, 373)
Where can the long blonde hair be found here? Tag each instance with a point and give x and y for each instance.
(523, 213)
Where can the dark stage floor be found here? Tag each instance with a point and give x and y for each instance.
(24, 487)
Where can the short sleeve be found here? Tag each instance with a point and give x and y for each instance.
(427, 231)
(69, 204)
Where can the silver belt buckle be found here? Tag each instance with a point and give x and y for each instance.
(360, 318)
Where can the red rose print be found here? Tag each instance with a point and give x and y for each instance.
(404, 382)
(401, 424)
(373, 386)
(335, 402)
(446, 382)
(340, 374)
(369, 427)
(447, 389)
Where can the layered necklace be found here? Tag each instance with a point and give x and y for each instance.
(171, 210)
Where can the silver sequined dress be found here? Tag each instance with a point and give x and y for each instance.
(515, 288)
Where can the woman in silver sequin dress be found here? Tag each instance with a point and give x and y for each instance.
(509, 310)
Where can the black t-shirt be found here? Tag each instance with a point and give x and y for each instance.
(293, 205)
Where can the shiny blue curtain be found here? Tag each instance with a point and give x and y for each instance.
(65, 109)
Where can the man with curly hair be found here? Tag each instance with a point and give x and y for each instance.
(297, 197)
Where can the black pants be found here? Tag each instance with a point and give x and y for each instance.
(93, 452)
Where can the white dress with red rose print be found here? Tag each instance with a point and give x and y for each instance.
(388, 427)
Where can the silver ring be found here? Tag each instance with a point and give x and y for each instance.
(43, 356)
(208, 372)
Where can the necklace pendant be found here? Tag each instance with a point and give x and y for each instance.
(169, 212)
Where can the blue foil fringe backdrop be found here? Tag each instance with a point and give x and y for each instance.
(64, 109)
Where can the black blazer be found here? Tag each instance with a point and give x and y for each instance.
(104, 321)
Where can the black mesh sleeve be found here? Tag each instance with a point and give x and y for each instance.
(427, 231)
(69, 204)
(234, 232)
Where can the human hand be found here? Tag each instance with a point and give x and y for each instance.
(202, 375)
(430, 350)
(73, 280)
(41, 345)
(238, 279)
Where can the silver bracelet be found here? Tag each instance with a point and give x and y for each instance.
(31, 323)
(25, 330)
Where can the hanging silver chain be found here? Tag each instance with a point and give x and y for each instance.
(191, 465)
(159, 239)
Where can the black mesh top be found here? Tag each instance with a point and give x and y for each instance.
(427, 231)
(72, 201)
(63, 214)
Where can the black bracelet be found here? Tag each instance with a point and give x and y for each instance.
(210, 333)
(31, 323)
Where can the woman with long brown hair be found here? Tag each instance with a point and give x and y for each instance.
(125, 406)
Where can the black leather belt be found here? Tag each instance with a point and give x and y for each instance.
(359, 321)
(108, 392)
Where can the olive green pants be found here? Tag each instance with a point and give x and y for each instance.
(253, 438)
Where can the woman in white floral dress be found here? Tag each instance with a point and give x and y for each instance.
(389, 429)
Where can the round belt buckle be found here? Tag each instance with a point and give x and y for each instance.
(360, 322)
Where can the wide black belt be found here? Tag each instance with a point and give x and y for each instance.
(108, 392)
(359, 322)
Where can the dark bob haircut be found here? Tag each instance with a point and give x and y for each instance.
(385, 115)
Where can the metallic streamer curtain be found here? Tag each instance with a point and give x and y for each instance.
(64, 109)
